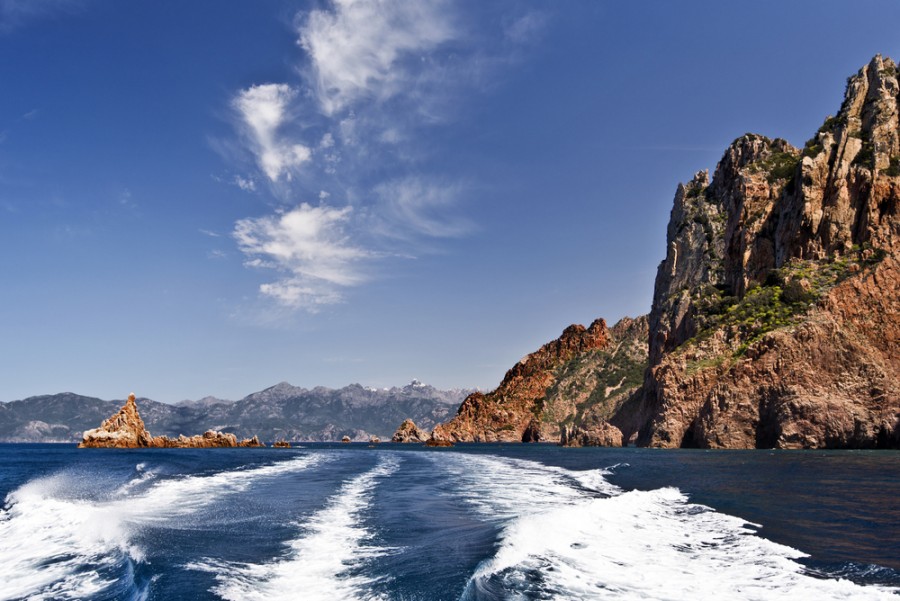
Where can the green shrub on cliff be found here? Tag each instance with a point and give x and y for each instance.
(777, 166)
(786, 294)
(894, 169)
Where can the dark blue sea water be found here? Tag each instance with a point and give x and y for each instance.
(345, 522)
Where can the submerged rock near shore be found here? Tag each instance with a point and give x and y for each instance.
(125, 430)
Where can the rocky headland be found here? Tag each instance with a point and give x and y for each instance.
(586, 371)
(775, 320)
(776, 313)
(125, 430)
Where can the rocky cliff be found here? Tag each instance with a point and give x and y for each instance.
(585, 372)
(776, 313)
(125, 430)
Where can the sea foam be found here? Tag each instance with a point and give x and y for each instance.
(53, 546)
(572, 535)
(324, 562)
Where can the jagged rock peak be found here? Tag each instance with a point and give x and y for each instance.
(509, 412)
(125, 430)
(409, 432)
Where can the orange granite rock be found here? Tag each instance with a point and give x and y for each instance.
(125, 430)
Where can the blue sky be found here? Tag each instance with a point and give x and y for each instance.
(207, 198)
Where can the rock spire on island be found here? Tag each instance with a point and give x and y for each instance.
(125, 430)
(409, 432)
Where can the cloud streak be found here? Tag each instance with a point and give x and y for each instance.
(17, 13)
(309, 247)
(357, 50)
(376, 77)
(263, 110)
(416, 206)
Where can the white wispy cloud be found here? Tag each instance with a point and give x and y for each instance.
(311, 250)
(417, 206)
(525, 28)
(247, 184)
(357, 49)
(263, 110)
(377, 76)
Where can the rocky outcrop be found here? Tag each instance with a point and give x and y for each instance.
(602, 434)
(409, 432)
(526, 407)
(599, 389)
(125, 430)
(776, 312)
(432, 442)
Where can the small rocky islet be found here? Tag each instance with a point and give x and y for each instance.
(125, 430)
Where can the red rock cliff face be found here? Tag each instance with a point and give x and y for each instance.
(776, 313)
(512, 412)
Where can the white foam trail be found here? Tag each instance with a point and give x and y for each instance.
(501, 489)
(321, 563)
(563, 542)
(53, 547)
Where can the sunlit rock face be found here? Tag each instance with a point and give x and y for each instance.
(125, 430)
(409, 432)
(776, 313)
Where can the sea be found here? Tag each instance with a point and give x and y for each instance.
(472, 522)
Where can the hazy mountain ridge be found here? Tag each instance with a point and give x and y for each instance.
(281, 411)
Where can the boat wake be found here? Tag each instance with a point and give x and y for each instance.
(58, 540)
(325, 561)
(573, 535)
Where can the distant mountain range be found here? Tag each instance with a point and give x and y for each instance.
(281, 411)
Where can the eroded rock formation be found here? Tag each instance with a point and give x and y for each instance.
(409, 432)
(586, 371)
(125, 430)
(776, 312)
